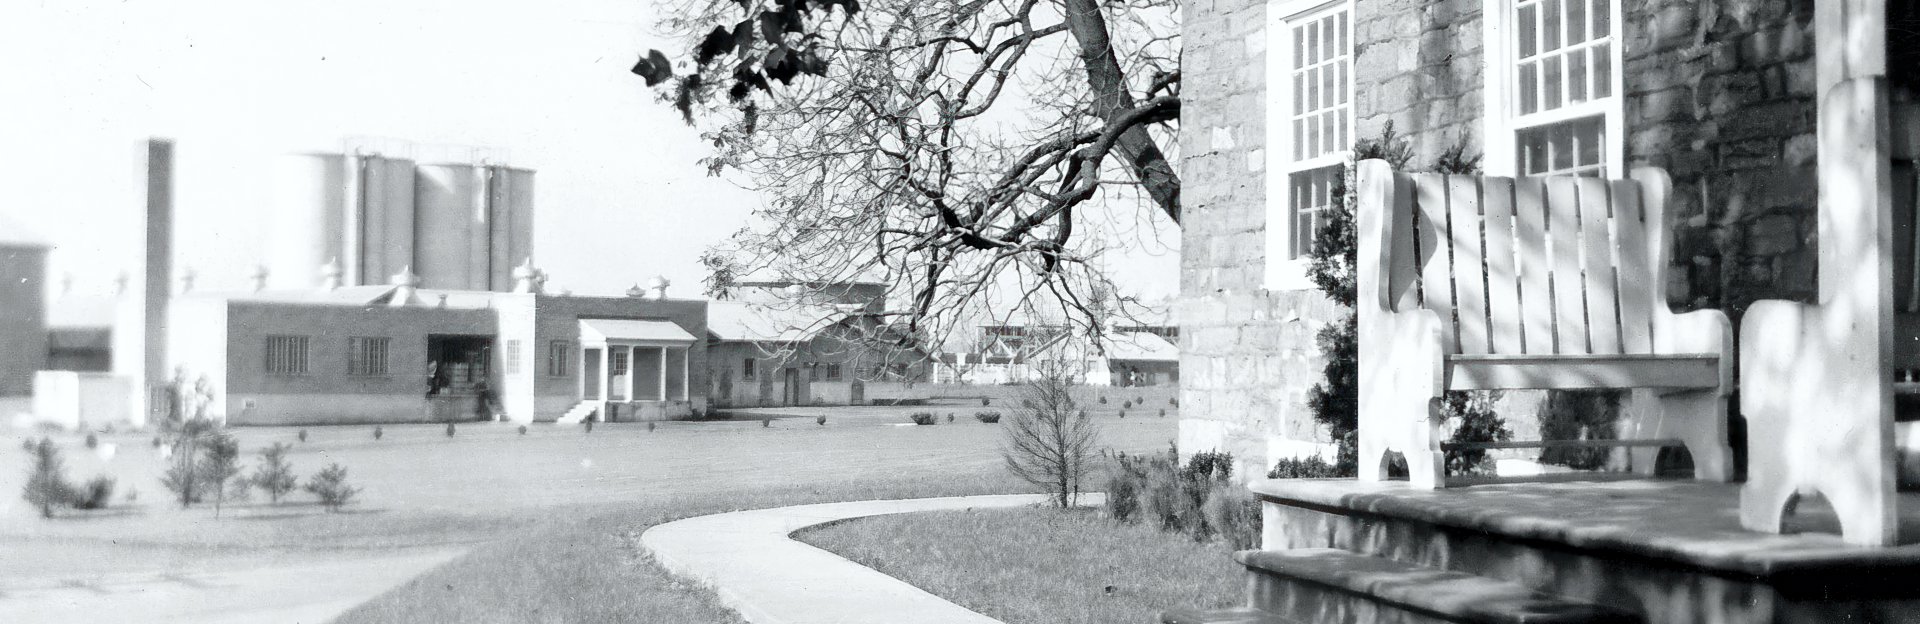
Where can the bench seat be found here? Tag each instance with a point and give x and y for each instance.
(1580, 372)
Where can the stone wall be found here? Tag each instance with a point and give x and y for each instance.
(1419, 65)
(1721, 95)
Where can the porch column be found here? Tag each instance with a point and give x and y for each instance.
(685, 356)
(663, 373)
(605, 373)
(633, 380)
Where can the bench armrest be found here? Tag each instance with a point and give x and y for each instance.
(1699, 331)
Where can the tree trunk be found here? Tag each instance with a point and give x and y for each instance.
(1112, 100)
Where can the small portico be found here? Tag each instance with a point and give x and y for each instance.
(627, 361)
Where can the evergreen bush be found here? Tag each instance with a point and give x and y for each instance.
(330, 485)
(274, 475)
(923, 418)
(988, 417)
(47, 485)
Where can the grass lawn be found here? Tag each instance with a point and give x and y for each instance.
(548, 520)
(1040, 565)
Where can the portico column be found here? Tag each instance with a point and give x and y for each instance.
(633, 367)
(606, 374)
(685, 357)
(663, 374)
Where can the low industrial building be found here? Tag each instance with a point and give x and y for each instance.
(779, 343)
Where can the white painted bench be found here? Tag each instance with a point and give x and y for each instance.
(1481, 283)
(1819, 380)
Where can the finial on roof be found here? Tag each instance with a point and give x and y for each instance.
(330, 274)
(404, 282)
(657, 286)
(259, 277)
(526, 278)
(186, 280)
(636, 291)
(120, 283)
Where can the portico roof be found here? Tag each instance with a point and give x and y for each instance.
(632, 331)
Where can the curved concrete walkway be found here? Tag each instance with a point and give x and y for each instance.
(748, 558)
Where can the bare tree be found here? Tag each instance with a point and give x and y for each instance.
(946, 147)
(1050, 439)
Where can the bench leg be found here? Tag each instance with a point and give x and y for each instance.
(1410, 431)
(1698, 419)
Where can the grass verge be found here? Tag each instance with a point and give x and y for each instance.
(591, 568)
(1040, 565)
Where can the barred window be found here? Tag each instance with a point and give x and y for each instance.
(513, 357)
(286, 355)
(367, 356)
(558, 352)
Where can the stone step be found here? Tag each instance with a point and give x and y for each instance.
(1238, 615)
(1331, 585)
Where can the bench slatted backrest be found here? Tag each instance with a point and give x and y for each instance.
(1557, 265)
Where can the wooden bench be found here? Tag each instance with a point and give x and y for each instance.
(1483, 283)
(1820, 381)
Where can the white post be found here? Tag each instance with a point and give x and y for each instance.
(685, 357)
(606, 375)
(633, 380)
(663, 373)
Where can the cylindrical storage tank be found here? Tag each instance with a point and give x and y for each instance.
(510, 215)
(386, 219)
(448, 203)
(309, 206)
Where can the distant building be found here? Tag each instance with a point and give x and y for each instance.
(783, 343)
(1136, 355)
(397, 353)
(23, 322)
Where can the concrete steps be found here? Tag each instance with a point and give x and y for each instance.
(580, 412)
(1332, 585)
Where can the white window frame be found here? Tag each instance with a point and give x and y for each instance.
(1282, 272)
(1500, 124)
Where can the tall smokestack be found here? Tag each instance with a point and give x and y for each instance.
(140, 320)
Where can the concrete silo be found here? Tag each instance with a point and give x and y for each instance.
(386, 220)
(451, 242)
(354, 210)
(309, 217)
(510, 221)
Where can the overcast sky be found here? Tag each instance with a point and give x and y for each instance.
(618, 194)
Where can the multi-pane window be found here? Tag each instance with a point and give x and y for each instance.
(814, 372)
(1310, 126)
(1561, 99)
(746, 369)
(1319, 117)
(286, 355)
(833, 372)
(367, 355)
(558, 353)
(616, 362)
(513, 357)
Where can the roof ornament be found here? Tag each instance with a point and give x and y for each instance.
(259, 277)
(526, 279)
(120, 282)
(636, 291)
(405, 282)
(186, 280)
(330, 275)
(657, 287)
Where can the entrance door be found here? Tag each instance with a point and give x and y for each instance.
(591, 372)
(790, 392)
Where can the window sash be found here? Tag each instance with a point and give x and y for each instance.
(559, 352)
(1553, 65)
(512, 349)
(1312, 121)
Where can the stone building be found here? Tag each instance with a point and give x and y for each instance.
(1721, 94)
